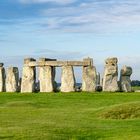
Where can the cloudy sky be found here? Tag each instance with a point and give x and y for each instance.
(71, 29)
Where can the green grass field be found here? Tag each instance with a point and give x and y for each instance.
(136, 88)
(69, 116)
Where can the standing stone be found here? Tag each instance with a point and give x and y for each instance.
(12, 79)
(89, 78)
(28, 76)
(67, 79)
(19, 84)
(125, 82)
(98, 78)
(110, 83)
(46, 76)
(2, 78)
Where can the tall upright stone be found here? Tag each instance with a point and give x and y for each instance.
(12, 79)
(28, 76)
(89, 76)
(98, 78)
(110, 80)
(2, 78)
(125, 82)
(46, 76)
(67, 79)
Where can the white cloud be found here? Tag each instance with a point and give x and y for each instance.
(99, 17)
(92, 16)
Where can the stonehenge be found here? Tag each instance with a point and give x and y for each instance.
(46, 76)
(89, 79)
(28, 76)
(89, 76)
(125, 82)
(67, 79)
(39, 76)
(110, 79)
(12, 79)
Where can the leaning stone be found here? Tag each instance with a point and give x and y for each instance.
(12, 79)
(110, 83)
(2, 78)
(89, 78)
(67, 79)
(28, 77)
(125, 82)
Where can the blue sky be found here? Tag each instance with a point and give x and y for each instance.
(71, 29)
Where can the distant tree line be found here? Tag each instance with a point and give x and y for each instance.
(135, 83)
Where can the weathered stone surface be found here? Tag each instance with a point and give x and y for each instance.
(28, 77)
(28, 60)
(125, 82)
(19, 84)
(89, 61)
(60, 63)
(89, 79)
(46, 76)
(110, 79)
(12, 79)
(46, 79)
(67, 79)
(2, 78)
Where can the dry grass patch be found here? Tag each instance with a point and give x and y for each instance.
(123, 111)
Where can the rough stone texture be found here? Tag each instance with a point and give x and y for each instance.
(67, 79)
(89, 61)
(89, 79)
(98, 78)
(28, 77)
(125, 82)
(60, 63)
(46, 76)
(110, 83)
(2, 78)
(12, 79)
(46, 79)
(19, 84)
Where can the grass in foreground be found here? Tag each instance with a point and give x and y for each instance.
(67, 116)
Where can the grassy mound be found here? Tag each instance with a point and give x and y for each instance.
(123, 111)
